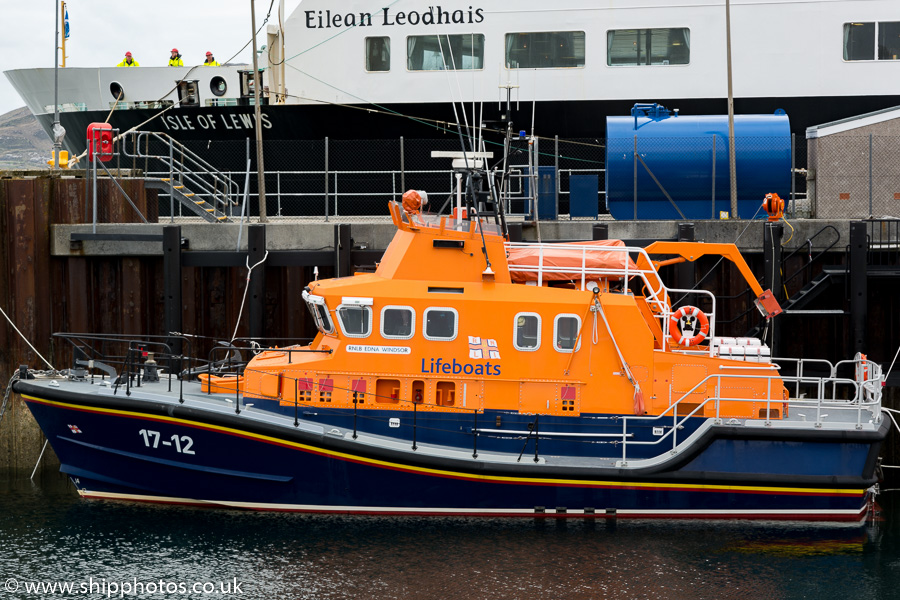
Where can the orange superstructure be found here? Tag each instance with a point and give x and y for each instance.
(437, 329)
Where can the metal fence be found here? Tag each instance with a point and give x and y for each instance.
(677, 178)
(855, 176)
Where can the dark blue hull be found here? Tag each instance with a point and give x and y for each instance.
(117, 447)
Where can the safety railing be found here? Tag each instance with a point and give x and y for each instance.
(839, 395)
(182, 169)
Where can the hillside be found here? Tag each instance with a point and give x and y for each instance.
(23, 143)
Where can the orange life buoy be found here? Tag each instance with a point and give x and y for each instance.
(689, 317)
(862, 367)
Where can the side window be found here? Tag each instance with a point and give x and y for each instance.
(565, 333)
(378, 54)
(440, 52)
(859, 41)
(319, 311)
(440, 324)
(633, 47)
(527, 336)
(545, 50)
(356, 321)
(397, 322)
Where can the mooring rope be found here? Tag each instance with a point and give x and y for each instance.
(26, 340)
(246, 287)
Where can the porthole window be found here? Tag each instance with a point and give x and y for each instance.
(218, 86)
(565, 333)
(397, 322)
(527, 333)
(115, 88)
(440, 324)
(356, 320)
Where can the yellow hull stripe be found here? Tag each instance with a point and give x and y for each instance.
(454, 474)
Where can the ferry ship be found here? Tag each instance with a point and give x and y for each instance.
(357, 70)
(469, 375)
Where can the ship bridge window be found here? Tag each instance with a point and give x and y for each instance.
(356, 320)
(378, 54)
(545, 50)
(662, 46)
(319, 310)
(440, 324)
(868, 41)
(527, 335)
(397, 322)
(565, 333)
(440, 52)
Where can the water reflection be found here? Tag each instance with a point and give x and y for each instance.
(48, 533)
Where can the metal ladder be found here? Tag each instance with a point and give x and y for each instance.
(188, 179)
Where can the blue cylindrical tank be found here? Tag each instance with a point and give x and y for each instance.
(682, 167)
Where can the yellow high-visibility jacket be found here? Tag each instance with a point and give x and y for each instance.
(176, 62)
(211, 64)
(133, 63)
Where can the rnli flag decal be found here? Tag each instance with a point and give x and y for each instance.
(480, 348)
(75, 429)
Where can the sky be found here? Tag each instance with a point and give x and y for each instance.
(103, 30)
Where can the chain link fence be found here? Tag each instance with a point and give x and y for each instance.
(855, 176)
(667, 178)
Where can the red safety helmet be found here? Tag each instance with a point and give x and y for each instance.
(209, 53)
(175, 50)
(128, 54)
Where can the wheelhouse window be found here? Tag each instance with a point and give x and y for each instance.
(565, 333)
(527, 332)
(440, 324)
(356, 321)
(637, 47)
(860, 41)
(378, 54)
(545, 50)
(397, 322)
(440, 52)
(319, 311)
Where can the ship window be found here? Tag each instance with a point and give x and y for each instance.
(378, 54)
(545, 50)
(440, 52)
(440, 324)
(889, 41)
(356, 321)
(663, 46)
(397, 322)
(218, 86)
(565, 333)
(860, 41)
(319, 311)
(527, 332)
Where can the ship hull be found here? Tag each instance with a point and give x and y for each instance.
(200, 127)
(115, 447)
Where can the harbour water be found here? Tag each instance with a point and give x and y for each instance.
(114, 549)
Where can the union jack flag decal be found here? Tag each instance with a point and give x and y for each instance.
(75, 429)
(480, 348)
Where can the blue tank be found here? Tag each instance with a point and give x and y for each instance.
(682, 169)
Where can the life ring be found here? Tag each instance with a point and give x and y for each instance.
(862, 367)
(688, 317)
